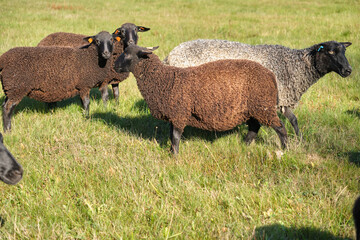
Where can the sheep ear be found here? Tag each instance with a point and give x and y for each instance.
(89, 39)
(116, 37)
(142, 29)
(116, 31)
(346, 44)
(152, 48)
(319, 47)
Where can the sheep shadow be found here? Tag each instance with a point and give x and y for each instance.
(278, 231)
(354, 112)
(150, 128)
(2, 221)
(354, 157)
(41, 107)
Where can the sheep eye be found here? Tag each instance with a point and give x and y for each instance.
(97, 42)
(122, 31)
(331, 52)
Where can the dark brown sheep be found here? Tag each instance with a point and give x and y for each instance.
(52, 74)
(128, 35)
(215, 96)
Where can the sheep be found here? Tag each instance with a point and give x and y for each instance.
(52, 74)
(215, 96)
(10, 170)
(127, 33)
(295, 70)
(356, 215)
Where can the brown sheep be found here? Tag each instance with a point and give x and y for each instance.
(128, 35)
(215, 96)
(52, 74)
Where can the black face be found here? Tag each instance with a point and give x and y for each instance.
(131, 56)
(10, 170)
(128, 33)
(104, 42)
(123, 62)
(332, 57)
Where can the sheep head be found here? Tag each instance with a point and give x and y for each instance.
(128, 33)
(330, 57)
(131, 56)
(104, 43)
(10, 170)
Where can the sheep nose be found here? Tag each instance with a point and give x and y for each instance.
(15, 176)
(131, 41)
(106, 54)
(347, 71)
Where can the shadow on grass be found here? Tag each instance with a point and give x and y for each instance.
(354, 157)
(41, 107)
(354, 112)
(2, 221)
(278, 231)
(148, 127)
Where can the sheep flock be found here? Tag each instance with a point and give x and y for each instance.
(210, 84)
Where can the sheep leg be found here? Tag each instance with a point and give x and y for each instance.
(7, 111)
(281, 132)
(104, 93)
(254, 127)
(175, 136)
(115, 88)
(85, 99)
(293, 120)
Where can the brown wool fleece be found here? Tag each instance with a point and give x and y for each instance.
(50, 74)
(77, 40)
(215, 96)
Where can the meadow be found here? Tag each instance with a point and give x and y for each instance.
(111, 176)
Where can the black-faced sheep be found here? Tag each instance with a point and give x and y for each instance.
(295, 70)
(10, 170)
(128, 35)
(215, 96)
(356, 215)
(52, 74)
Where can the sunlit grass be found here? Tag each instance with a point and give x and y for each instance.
(112, 176)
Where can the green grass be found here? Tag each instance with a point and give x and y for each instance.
(112, 176)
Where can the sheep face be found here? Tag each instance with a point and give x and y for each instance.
(10, 170)
(131, 57)
(104, 42)
(331, 57)
(128, 33)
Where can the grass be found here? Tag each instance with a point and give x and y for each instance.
(112, 177)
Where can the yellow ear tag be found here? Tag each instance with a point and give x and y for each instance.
(90, 40)
(118, 39)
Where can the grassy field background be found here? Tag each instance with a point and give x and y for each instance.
(112, 176)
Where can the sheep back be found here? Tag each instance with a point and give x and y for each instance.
(214, 96)
(293, 74)
(77, 40)
(49, 74)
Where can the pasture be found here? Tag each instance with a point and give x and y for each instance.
(111, 176)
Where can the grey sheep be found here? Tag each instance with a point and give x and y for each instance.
(52, 74)
(216, 96)
(295, 70)
(127, 34)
